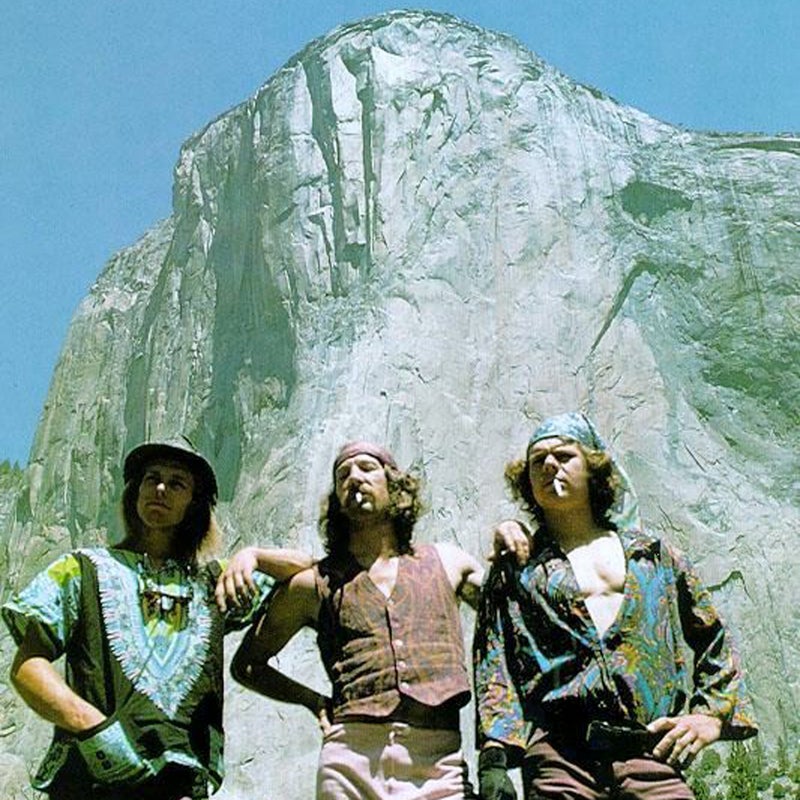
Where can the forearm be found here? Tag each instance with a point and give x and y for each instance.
(281, 563)
(47, 693)
(272, 683)
(720, 690)
(719, 685)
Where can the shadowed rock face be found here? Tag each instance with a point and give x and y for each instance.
(419, 232)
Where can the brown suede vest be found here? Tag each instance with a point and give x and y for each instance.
(378, 651)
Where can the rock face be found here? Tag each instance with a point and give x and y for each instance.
(419, 232)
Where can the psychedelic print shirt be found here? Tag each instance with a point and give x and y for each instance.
(540, 663)
(142, 644)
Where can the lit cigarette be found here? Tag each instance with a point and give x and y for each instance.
(559, 488)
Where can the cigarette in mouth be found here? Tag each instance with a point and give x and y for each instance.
(558, 487)
(359, 497)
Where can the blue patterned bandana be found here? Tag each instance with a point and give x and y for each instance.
(574, 426)
(577, 427)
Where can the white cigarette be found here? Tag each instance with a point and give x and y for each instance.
(559, 488)
(359, 497)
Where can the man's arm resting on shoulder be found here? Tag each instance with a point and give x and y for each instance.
(464, 571)
(235, 584)
(294, 605)
(467, 574)
(45, 691)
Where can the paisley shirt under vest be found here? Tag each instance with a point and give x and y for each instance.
(378, 650)
(141, 644)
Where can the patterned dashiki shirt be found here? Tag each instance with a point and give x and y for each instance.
(141, 643)
(540, 663)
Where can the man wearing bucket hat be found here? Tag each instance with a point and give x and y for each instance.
(389, 634)
(579, 669)
(139, 711)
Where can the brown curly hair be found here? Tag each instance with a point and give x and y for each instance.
(602, 486)
(405, 508)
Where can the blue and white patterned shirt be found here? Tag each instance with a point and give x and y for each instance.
(142, 644)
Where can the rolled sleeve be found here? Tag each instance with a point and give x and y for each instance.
(46, 610)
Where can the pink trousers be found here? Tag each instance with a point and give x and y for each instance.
(391, 761)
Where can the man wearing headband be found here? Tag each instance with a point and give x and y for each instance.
(389, 635)
(579, 672)
(139, 713)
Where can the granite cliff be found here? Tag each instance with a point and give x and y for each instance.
(420, 232)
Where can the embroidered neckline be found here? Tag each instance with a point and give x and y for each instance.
(162, 642)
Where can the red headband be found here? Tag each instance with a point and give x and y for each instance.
(367, 448)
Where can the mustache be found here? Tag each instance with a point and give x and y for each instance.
(358, 497)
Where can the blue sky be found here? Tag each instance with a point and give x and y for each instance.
(97, 98)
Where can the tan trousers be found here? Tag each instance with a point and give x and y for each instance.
(391, 761)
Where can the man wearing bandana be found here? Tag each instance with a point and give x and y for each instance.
(389, 634)
(139, 711)
(580, 672)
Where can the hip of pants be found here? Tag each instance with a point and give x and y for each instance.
(552, 771)
(382, 760)
(174, 782)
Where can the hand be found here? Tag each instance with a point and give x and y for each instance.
(235, 584)
(324, 714)
(493, 780)
(510, 537)
(685, 736)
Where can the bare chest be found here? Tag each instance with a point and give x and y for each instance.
(599, 569)
(383, 574)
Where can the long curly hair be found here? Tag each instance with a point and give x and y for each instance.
(602, 486)
(405, 508)
(197, 536)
